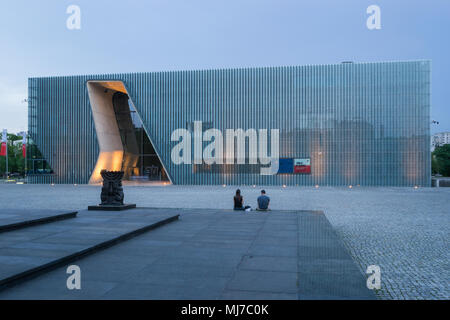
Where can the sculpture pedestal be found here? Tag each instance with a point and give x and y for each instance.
(112, 193)
(112, 207)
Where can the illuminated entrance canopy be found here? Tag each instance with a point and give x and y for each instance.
(124, 144)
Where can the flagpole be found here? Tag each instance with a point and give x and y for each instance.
(7, 174)
(25, 156)
(4, 150)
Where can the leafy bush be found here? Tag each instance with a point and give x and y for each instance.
(440, 160)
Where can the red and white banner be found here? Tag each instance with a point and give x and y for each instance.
(24, 146)
(302, 165)
(4, 141)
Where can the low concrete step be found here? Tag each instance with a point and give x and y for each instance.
(13, 219)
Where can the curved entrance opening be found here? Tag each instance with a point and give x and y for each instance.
(123, 141)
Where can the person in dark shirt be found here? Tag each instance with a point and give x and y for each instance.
(263, 201)
(239, 201)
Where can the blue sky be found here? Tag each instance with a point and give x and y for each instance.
(158, 35)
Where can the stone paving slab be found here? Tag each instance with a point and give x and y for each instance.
(14, 219)
(35, 250)
(210, 254)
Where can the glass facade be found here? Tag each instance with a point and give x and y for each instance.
(140, 161)
(344, 124)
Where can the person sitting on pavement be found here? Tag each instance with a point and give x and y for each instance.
(239, 201)
(263, 201)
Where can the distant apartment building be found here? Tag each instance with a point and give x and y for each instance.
(439, 139)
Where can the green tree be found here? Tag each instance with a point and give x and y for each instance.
(440, 160)
(16, 162)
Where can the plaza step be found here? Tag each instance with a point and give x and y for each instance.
(12, 219)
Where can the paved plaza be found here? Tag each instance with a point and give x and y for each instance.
(403, 230)
(206, 254)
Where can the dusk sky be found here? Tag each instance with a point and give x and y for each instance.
(160, 35)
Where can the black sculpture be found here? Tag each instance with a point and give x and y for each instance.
(112, 192)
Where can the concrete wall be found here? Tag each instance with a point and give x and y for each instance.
(109, 141)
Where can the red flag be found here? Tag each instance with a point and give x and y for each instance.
(3, 149)
(4, 139)
(24, 146)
